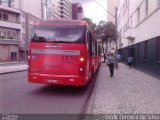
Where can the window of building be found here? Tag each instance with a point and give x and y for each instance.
(0, 32)
(3, 33)
(146, 7)
(13, 56)
(5, 16)
(138, 14)
(158, 49)
(23, 25)
(146, 50)
(125, 28)
(8, 17)
(138, 50)
(23, 36)
(79, 9)
(12, 18)
(131, 22)
(9, 36)
(158, 3)
(1, 16)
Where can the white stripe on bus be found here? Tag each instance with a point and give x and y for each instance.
(56, 52)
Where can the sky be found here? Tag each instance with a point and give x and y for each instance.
(93, 10)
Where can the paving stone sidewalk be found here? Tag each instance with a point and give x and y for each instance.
(129, 92)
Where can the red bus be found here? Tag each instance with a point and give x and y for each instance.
(62, 52)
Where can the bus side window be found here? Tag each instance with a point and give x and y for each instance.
(96, 47)
(89, 37)
(92, 46)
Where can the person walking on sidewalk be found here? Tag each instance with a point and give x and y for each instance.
(110, 62)
(130, 61)
(119, 58)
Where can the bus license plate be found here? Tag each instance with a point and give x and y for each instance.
(52, 81)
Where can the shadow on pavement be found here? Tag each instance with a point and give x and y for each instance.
(57, 89)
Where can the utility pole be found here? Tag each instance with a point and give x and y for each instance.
(116, 37)
(27, 35)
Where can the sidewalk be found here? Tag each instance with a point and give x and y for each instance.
(129, 92)
(10, 67)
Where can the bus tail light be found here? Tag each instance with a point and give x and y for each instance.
(81, 70)
(81, 59)
(29, 61)
(82, 66)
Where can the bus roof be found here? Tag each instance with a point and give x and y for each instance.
(61, 22)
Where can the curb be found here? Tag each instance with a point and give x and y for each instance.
(87, 108)
(12, 72)
(10, 63)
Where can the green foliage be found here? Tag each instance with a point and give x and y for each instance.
(90, 23)
(105, 31)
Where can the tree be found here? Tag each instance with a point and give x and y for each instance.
(105, 31)
(90, 23)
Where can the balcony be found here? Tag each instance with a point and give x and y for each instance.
(10, 25)
(63, 2)
(64, 7)
(9, 41)
(130, 34)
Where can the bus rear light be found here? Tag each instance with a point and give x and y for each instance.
(81, 59)
(29, 57)
(81, 69)
(34, 77)
(71, 80)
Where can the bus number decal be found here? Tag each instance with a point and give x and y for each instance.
(69, 58)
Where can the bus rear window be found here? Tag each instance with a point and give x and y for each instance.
(59, 34)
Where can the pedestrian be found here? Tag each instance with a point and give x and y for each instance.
(110, 62)
(130, 61)
(119, 58)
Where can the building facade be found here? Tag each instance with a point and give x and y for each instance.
(30, 11)
(51, 9)
(56, 9)
(77, 11)
(64, 9)
(111, 4)
(10, 34)
(34, 7)
(139, 34)
(27, 21)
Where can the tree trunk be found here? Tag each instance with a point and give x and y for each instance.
(104, 60)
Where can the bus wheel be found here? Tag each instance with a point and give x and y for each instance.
(91, 79)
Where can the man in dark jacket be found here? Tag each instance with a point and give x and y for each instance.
(111, 61)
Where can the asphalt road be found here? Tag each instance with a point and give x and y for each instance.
(19, 96)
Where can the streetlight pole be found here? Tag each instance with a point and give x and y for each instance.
(116, 37)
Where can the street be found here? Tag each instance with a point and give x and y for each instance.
(130, 91)
(19, 96)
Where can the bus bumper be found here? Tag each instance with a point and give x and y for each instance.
(73, 80)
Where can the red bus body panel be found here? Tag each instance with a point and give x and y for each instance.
(58, 64)
(62, 63)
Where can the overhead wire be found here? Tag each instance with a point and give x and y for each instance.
(104, 8)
